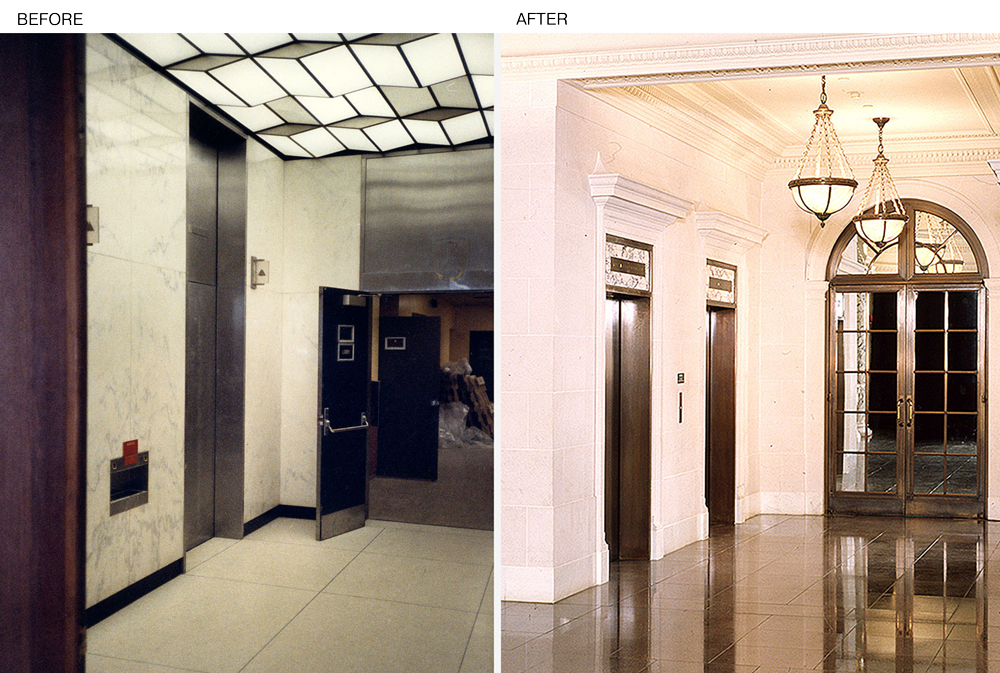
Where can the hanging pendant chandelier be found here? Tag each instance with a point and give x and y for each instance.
(881, 217)
(824, 182)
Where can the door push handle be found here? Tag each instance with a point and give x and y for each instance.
(324, 422)
(909, 411)
(899, 412)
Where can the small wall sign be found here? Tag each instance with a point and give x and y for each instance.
(628, 266)
(720, 284)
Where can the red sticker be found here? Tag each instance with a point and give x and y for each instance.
(130, 448)
(131, 460)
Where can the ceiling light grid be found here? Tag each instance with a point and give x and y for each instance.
(318, 95)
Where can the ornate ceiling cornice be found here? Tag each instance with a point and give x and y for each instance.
(761, 58)
(913, 158)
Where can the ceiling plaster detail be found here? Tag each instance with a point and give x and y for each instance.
(716, 119)
(758, 59)
(918, 158)
(737, 147)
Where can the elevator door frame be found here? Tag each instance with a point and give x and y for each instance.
(904, 502)
(639, 531)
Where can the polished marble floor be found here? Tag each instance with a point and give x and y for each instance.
(389, 597)
(781, 593)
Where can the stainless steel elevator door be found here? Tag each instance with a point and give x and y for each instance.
(200, 387)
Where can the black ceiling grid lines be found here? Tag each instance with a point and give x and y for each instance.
(475, 92)
(387, 101)
(318, 95)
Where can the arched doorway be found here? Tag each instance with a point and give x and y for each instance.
(905, 424)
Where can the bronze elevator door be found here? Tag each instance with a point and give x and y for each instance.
(627, 430)
(720, 416)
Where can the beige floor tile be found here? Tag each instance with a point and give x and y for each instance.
(277, 564)
(205, 551)
(479, 654)
(442, 584)
(99, 664)
(421, 542)
(451, 530)
(489, 602)
(198, 623)
(347, 634)
(303, 532)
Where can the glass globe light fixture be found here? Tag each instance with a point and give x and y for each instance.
(824, 182)
(927, 254)
(881, 217)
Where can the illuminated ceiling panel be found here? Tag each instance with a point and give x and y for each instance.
(325, 94)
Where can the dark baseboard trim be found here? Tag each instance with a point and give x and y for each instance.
(132, 593)
(286, 511)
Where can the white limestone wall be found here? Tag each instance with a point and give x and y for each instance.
(552, 475)
(321, 247)
(136, 175)
(264, 317)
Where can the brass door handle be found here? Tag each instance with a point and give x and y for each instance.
(909, 411)
(899, 412)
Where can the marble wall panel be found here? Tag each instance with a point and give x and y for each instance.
(158, 373)
(136, 175)
(265, 239)
(299, 398)
(322, 224)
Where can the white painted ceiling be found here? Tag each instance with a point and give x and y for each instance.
(317, 95)
(923, 105)
(772, 115)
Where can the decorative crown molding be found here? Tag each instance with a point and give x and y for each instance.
(747, 147)
(975, 155)
(760, 58)
(634, 202)
(613, 186)
(728, 231)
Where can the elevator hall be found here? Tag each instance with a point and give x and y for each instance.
(737, 435)
(282, 293)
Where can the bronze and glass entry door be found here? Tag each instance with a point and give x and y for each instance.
(906, 401)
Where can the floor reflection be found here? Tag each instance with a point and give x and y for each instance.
(780, 593)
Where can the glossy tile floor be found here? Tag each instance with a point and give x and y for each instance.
(388, 597)
(781, 593)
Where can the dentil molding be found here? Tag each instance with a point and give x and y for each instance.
(760, 58)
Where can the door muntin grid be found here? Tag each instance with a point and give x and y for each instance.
(866, 382)
(945, 393)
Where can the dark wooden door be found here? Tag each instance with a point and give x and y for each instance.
(42, 354)
(345, 376)
(409, 367)
(720, 416)
(627, 427)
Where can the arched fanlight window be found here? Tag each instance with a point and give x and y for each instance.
(935, 243)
